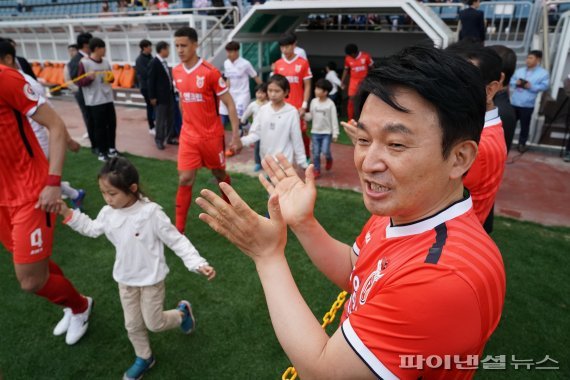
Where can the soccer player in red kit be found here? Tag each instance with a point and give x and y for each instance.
(29, 196)
(297, 71)
(486, 173)
(426, 282)
(356, 63)
(201, 142)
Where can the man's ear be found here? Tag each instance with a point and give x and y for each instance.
(492, 88)
(462, 157)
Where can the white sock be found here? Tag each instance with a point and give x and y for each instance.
(66, 189)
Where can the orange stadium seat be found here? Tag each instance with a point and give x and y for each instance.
(128, 77)
(36, 68)
(47, 72)
(58, 74)
(117, 72)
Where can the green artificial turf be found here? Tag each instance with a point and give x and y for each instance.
(234, 337)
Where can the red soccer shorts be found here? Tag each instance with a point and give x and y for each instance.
(197, 153)
(27, 232)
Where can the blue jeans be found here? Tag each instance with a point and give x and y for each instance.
(321, 143)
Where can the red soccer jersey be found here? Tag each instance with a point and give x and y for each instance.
(358, 70)
(296, 71)
(486, 173)
(199, 88)
(23, 164)
(434, 287)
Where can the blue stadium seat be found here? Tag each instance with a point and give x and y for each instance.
(449, 13)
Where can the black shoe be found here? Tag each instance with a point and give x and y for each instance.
(160, 145)
(522, 148)
(173, 141)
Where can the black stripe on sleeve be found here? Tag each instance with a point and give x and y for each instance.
(434, 252)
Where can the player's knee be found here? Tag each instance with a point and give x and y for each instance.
(155, 325)
(186, 180)
(32, 284)
(220, 174)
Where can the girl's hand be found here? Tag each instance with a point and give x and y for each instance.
(64, 210)
(207, 271)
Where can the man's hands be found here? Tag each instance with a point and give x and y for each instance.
(256, 236)
(296, 197)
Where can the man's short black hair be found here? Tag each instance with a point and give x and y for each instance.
(232, 46)
(536, 53)
(161, 45)
(187, 31)
(96, 43)
(509, 60)
(452, 85)
(351, 49)
(487, 60)
(331, 65)
(72, 46)
(6, 48)
(83, 39)
(288, 38)
(144, 44)
(324, 85)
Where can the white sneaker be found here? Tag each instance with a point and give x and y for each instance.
(152, 132)
(78, 324)
(63, 325)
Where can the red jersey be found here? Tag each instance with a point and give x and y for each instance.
(486, 173)
(199, 88)
(296, 71)
(434, 287)
(358, 70)
(23, 164)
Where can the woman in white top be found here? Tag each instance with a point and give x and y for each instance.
(276, 126)
(138, 228)
(332, 77)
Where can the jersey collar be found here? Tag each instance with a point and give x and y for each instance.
(292, 60)
(492, 117)
(451, 212)
(190, 70)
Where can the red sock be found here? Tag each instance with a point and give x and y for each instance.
(54, 268)
(227, 180)
(350, 109)
(183, 201)
(60, 291)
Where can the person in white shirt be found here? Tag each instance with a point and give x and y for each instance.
(251, 111)
(276, 125)
(237, 71)
(332, 77)
(138, 228)
(322, 112)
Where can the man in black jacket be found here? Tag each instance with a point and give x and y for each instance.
(161, 94)
(141, 68)
(472, 22)
(83, 40)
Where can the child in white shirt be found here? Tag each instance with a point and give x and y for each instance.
(325, 125)
(138, 228)
(251, 111)
(276, 125)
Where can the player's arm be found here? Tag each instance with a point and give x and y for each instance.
(228, 101)
(257, 79)
(297, 202)
(47, 117)
(306, 95)
(344, 77)
(312, 352)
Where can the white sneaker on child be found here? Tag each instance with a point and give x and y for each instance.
(63, 324)
(78, 324)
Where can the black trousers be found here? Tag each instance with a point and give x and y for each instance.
(88, 124)
(149, 108)
(524, 114)
(104, 122)
(164, 120)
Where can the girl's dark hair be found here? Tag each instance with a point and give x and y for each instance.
(121, 174)
(261, 87)
(281, 81)
(452, 85)
(324, 85)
